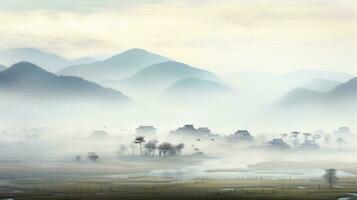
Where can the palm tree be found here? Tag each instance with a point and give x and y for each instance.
(330, 176)
(139, 140)
(340, 141)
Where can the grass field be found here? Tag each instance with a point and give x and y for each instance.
(103, 180)
(168, 188)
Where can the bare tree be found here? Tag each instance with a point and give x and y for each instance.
(139, 140)
(151, 146)
(340, 141)
(330, 177)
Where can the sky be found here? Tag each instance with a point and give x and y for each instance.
(224, 36)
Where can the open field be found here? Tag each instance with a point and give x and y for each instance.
(130, 179)
(169, 188)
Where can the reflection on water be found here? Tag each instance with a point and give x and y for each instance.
(215, 169)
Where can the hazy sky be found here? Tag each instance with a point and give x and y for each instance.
(224, 36)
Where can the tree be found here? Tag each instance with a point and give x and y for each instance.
(139, 140)
(306, 135)
(316, 137)
(179, 147)
(295, 135)
(330, 177)
(151, 146)
(164, 147)
(121, 150)
(284, 136)
(340, 141)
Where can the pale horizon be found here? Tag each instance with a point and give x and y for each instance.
(222, 36)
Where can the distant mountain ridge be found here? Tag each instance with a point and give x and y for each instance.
(156, 78)
(344, 92)
(116, 67)
(2, 68)
(48, 61)
(27, 79)
(197, 87)
(320, 85)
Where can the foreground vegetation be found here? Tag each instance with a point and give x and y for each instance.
(147, 187)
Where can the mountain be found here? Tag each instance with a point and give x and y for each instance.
(83, 61)
(307, 75)
(50, 62)
(320, 85)
(300, 96)
(156, 78)
(345, 90)
(28, 80)
(196, 87)
(341, 94)
(117, 67)
(2, 67)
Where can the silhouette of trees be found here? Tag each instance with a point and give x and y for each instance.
(295, 135)
(151, 146)
(330, 177)
(179, 147)
(139, 140)
(165, 147)
(306, 135)
(340, 141)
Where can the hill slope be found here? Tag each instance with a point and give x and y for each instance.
(2, 67)
(195, 87)
(342, 94)
(50, 62)
(320, 85)
(156, 78)
(27, 79)
(117, 67)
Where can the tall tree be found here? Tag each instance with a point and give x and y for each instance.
(164, 147)
(139, 140)
(340, 141)
(151, 146)
(330, 177)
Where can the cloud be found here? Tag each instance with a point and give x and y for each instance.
(224, 36)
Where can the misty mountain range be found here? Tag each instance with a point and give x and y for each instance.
(196, 87)
(137, 71)
(156, 78)
(116, 67)
(48, 61)
(342, 93)
(28, 80)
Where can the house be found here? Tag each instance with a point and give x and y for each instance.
(92, 156)
(241, 135)
(189, 129)
(99, 133)
(278, 143)
(309, 145)
(146, 130)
